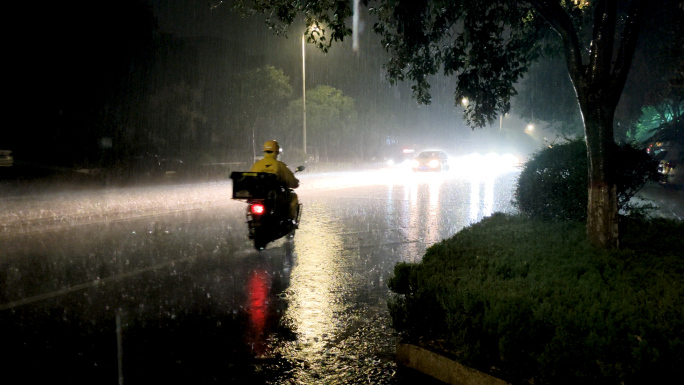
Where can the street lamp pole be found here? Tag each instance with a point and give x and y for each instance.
(304, 91)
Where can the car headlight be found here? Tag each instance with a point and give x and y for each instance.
(415, 164)
(434, 163)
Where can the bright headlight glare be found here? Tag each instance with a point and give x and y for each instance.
(434, 163)
(415, 164)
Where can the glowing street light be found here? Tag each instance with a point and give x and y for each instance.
(464, 102)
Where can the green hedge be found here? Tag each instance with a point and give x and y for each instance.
(533, 299)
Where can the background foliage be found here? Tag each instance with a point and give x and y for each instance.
(331, 118)
(546, 94)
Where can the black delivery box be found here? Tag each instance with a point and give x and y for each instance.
(253, 185)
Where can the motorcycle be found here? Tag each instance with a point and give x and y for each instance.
(268, 210)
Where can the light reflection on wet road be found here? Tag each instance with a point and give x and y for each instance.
(198, 304)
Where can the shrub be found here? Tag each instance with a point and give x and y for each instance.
(553, 183)
(533, 299)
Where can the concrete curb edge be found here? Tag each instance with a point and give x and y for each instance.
(441, 367)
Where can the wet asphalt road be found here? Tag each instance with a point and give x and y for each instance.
(161, 285)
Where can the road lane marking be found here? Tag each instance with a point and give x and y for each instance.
(95, 283)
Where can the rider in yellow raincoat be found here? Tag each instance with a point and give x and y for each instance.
(270, 163)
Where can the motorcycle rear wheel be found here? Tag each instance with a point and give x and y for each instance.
(260, 241)
(260, 244)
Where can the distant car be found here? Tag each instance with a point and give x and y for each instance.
(172, 167)
(6, 160)
(400, 158)
(668, 171)
(430, 161)
(657, 149)
(669, 158)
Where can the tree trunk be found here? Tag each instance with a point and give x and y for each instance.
(598, 84)
(602, 215)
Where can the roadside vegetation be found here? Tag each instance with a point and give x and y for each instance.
(528, 299)
(533, 299)
(553, 183)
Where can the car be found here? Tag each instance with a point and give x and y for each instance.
(6, 160)
(657, 149)
(669, 172)
(430, 161)
(172, 167)
(669, 157)
(400, 158)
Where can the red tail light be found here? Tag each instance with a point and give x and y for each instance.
(258, 209)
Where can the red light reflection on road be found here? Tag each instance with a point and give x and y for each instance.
(259, 287)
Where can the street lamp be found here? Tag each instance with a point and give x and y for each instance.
(304, 91)
(314, 28)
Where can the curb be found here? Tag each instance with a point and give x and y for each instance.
(442, 368)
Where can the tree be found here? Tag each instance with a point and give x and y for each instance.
(648, 100)
(488, 46)
(263, 94)
(653, 119)
(329, 119)
(89, 67)
(650, 92)
(172, 122)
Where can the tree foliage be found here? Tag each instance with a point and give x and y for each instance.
(263, 96)
(172, 123)
(480, 43)
(88, 68)
(264, 89)
(667, 108)
(330, 118)
(653, 119)
(325, 19)
(546, 94)
(659, 53)
(657, 98)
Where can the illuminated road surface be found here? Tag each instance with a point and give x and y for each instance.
(161, 285)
